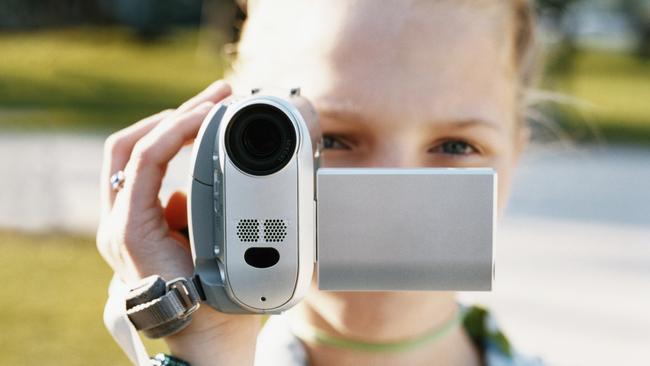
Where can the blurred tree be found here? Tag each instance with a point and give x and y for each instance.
(21, 14)
(150, 18)
(638, 12)
(153, 18)
(555, 12)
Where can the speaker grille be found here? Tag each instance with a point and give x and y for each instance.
(275, 230)
(248, 230)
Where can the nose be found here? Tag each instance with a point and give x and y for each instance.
(394, 156)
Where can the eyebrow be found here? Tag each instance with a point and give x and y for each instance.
(349, 113)
(471, 122)
(338, 110)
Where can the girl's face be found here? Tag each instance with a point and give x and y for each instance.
(396, 84)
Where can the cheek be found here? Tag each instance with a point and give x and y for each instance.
(508, 165)
(337, 160)
(503, 190)
(505, 168)
(363, 157)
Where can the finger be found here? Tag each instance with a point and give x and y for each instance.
(176, 211)
(214, 93)
(118, 148)
(146, 167)
(176, 217)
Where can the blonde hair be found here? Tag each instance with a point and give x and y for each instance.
(525, 44)
(522, 29)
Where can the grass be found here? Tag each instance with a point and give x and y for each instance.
(104, 78)
(613, 91)
(93, 78)
(53, 293)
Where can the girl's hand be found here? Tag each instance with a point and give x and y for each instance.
(138, 236)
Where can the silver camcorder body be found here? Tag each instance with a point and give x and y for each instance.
(263, 214)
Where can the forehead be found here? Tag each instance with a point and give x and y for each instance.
(403, 60)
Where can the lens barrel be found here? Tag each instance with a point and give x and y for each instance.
(260, 139)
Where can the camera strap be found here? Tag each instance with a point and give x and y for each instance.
(155, 307)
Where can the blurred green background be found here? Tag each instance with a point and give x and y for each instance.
(53, 297)
(95, 66)
(105, 78)
(96, 78)
(111, 68)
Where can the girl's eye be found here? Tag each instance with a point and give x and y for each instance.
(455, 147)
(335, 143)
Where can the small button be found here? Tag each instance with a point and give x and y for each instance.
(262, 257)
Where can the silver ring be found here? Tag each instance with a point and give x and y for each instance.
(117, 180)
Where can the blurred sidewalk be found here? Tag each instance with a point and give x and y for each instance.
(573, 256)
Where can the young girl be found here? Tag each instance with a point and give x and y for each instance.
(396, 84)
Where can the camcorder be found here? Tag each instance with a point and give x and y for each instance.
(265, 217)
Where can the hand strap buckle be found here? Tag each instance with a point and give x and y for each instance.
(160, 309)
(187, 293)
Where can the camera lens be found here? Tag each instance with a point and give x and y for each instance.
(260, 139)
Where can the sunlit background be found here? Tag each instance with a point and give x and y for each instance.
(573, 257)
